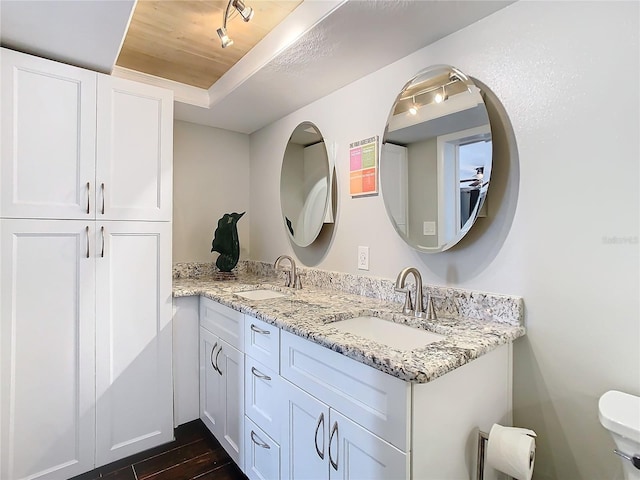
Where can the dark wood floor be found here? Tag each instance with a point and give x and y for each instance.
(195, 454)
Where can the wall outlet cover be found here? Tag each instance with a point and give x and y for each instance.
(363, 258)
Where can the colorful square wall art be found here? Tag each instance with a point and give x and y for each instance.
(363, 167)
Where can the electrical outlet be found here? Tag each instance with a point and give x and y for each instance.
(429, 228)
(363, 258)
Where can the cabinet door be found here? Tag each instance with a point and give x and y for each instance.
(133, 312)
(211, 389)
(222, 393)
(356, 453)
(305, 444)
(47, 416)
(230, 363)
(48, 117)
(134, 151)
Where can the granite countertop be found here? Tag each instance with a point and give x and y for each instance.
(309, 313)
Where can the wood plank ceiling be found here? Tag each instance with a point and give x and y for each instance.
(177, 39)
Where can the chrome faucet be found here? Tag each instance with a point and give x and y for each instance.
(408, 309)
(293, 280)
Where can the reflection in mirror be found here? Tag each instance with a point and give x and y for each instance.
(304, 184)
(435, 162)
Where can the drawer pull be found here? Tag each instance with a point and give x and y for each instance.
(334, 430)
(217, 355)
(259, 330)
(88, 195)
(259, 374)
(320, 421)
(258, 442)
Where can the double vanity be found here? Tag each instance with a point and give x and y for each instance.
(339, 376)
(321, 383)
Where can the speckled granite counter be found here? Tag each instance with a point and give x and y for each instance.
(310, 312)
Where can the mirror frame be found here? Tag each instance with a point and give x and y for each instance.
(484, 134)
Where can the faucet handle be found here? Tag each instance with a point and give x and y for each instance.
(297, 284)
(407, 309)
(431, 311)
(287, 276)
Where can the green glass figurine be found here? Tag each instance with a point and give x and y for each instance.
(225, 241)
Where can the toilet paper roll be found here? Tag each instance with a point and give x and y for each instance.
(512, 450)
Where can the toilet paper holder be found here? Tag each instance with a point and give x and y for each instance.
(483, 438)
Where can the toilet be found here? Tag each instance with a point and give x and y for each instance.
(620, 414)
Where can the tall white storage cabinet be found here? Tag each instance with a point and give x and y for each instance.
(85, 268)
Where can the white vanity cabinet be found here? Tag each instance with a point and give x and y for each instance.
(367, 424)
(85, 284)
(222, 375)
(320, 443)
(326, 394)
(308, 412)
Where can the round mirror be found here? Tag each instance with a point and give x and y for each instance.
(304, 184)
(435, 161)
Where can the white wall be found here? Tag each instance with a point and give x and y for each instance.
(210, 172)
(567, 74)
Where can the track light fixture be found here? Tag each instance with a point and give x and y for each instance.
(224, 38)
(245, 12)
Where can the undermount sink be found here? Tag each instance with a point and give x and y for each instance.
(260, 294)
(395, 335)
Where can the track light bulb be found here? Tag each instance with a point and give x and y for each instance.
(413, 109)
(440, 96)
(245, 12)
(224, 38)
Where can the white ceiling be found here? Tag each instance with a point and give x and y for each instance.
(83, 33)
(324, 45)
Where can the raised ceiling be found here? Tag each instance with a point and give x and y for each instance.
(177, 40)
(321, 46)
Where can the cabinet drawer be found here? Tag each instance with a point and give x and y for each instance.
(371, 398)
(262, 342)
(262, 400)
(262, 454)
(222, 321)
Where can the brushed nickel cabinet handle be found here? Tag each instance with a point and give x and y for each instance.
(259, 374)
(217, 355)
(260, 443)
(102, 189)
(259, 330)
(334, 430)
(87, 232)
(88, 195)
(102, 232)
(320, 421)
(211, 357)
